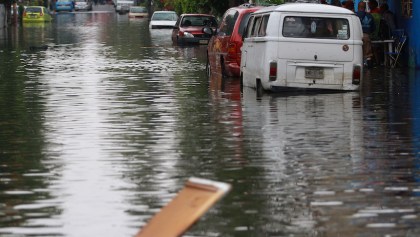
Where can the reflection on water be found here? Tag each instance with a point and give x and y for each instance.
(102, 127)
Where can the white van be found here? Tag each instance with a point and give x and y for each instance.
(302, 46)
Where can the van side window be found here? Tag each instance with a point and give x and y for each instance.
(228, 23)
(248, 28)
(263, 28)
(255, 26)
(316, 27)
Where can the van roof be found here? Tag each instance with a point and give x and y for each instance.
(307, 8)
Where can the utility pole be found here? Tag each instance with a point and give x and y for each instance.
(149, 5)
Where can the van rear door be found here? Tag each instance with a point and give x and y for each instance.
(315, 47)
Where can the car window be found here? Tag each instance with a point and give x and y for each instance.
(228, 23)
(164, 16)
(198, 21)
(243, 23)
(33, 9)
(138, 9)
(316, 27)
(256, 25)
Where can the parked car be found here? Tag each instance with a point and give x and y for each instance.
(163, 19)
(137, 12)
(36, 14)
(224, 48)
(64, 5)
(302, 46)
(123, 6)
(84, 5)
(189, 29)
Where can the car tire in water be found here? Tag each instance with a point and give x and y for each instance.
(241, 83)
(259, 88)
(222, 67)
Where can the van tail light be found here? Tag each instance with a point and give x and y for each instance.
(273, 71)
(357, 72)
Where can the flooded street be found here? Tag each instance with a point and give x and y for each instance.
(102, 121)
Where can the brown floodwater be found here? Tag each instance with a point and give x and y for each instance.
(102, 121)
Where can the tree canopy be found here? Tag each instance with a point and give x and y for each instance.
(215, 7)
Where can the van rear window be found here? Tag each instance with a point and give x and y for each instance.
(316, 27)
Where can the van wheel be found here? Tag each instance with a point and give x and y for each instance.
(259, 89)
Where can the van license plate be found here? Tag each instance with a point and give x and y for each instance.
(314, 73)
(203, 41)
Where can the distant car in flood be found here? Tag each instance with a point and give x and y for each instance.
(163, 19)
(137, 12)
(83, 5)
(36, 14)
(189, 29)
(64, 5)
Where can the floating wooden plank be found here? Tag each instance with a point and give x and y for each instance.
(197, 196)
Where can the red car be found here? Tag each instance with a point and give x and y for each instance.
(224, 48)
(189, 29)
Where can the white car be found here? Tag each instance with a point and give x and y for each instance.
(163, 19)
(138, 12)
(83, 5)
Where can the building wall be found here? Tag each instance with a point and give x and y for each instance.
(412, 26)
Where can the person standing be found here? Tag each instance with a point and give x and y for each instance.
(368, 26)
(388, 16)
(349, 4)
(376, 48)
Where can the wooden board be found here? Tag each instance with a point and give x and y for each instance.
(197, 196)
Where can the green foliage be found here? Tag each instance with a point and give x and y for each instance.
(216, 7)
(269, 2)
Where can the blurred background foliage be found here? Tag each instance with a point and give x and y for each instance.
(215, 7)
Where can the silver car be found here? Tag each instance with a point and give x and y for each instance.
(84, 5)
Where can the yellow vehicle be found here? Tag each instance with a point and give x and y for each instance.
(36, 14)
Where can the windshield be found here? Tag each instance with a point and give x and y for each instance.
(316, 27)
(138, 10)
(164, 16)
(199, 21)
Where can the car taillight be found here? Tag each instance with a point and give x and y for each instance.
(231, 48)
(273, 71)
(357, 71)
